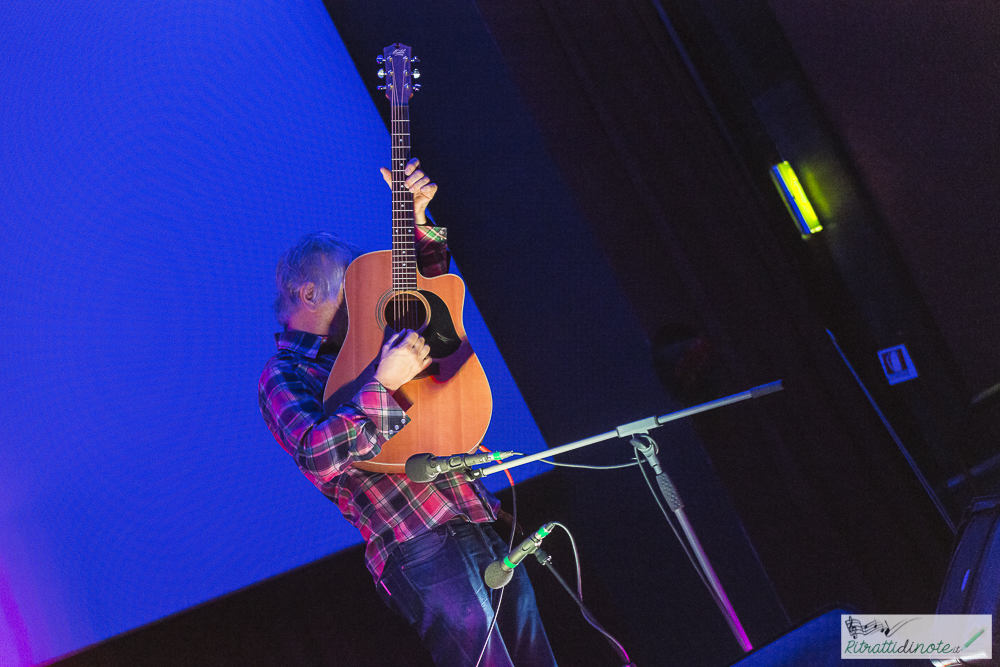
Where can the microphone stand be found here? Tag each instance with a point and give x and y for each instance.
(642, 427)
(647, 447)
(546, 561)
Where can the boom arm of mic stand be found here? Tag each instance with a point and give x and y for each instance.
(625, 430)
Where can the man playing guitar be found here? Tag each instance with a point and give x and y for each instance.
(427, 543)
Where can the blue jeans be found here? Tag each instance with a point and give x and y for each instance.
(435, 582)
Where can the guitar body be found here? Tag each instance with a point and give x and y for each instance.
(450, 404)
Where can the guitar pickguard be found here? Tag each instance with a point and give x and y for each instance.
(440, 332)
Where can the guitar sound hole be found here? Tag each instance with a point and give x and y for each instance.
(406, 311)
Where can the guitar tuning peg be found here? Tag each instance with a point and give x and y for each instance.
(379, 87)
(381, 74)
(416, 74)
(380, 59)
(416, 86)
(414, 59)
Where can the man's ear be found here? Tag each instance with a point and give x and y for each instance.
(307, 295)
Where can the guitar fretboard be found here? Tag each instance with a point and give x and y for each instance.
(404, 264)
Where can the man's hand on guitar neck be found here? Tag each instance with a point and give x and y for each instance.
(420, 185)
(403, 356)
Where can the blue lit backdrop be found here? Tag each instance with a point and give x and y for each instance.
(157, 158)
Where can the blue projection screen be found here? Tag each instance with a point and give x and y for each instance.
(157, 158)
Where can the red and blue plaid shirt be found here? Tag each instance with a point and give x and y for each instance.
(386, 508)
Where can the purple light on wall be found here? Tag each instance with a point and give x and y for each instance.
(15, 645)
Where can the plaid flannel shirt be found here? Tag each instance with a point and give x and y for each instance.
(385, 508)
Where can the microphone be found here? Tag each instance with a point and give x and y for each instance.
(425, 467)
(499, 573)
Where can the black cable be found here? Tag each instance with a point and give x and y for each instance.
(510, 547)
(588, 467)
(546, 561)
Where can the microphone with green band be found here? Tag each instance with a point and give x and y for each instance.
(499, 573)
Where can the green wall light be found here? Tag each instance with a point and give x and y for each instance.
(795, 198)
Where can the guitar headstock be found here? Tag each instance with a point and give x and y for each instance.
(399, 72)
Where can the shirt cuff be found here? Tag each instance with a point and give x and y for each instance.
(432, 250)
(383, 411)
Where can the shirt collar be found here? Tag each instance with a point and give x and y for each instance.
(303, 342)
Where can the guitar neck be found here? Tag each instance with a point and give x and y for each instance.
(404, 257)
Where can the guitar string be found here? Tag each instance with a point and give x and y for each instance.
(395, 197)
(404, 266)
(395, 187)
(395, 208)
(406, 213)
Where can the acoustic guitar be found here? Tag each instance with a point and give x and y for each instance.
(449, 403)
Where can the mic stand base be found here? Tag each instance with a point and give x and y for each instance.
(546, 561)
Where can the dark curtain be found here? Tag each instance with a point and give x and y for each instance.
(831, 507)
